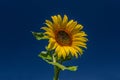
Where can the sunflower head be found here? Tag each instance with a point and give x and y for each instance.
(65, 37)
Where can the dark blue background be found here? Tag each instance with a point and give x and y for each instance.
(19, 50)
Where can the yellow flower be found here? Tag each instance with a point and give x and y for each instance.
(65, 37)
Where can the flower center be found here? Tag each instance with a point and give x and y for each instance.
(63, 38)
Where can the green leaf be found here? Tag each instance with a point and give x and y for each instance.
(45, 55)
(72, 68)
(48, 58)
(39, 35)
(62, 67)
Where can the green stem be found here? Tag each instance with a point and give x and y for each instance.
(56, 70)
(56, 73)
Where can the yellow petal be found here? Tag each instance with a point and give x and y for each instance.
(82, 33)
(59, 19)
(69, 23)
(63, 52)
(72, 26)
(58, 51)
(49, 22)
(79, 43)
(80, 39)
(51, 44)
(55, 45)
(77, 29)
(55, 20)
(79, 50)
(50, 26)
(50, 34)
(73, 52)
(65, 20)
(79, 26)
(67, 50)
(47, 29)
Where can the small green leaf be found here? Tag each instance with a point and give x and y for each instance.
(39, 35)
(72, 68)
(45, 55)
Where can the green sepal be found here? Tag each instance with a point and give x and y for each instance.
(39, 35)
(48, 58)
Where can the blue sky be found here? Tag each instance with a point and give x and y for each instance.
(19, 50)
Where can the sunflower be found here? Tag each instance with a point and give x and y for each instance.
(65, 37)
